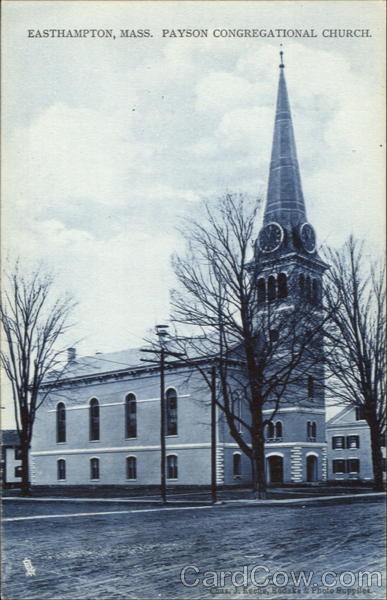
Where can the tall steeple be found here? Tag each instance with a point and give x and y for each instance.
(285, 228)
(285, 200)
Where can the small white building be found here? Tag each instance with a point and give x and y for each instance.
(349, 446)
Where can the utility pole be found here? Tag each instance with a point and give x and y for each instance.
(162, 332)
(162, 352)
(163, 484)
(213, 435)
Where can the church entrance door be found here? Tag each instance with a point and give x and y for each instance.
(311, 468)
(276, 469)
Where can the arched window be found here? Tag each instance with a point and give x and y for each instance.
(236, 464)
(61, 466)
(270, 431)
(61, 422)
(94, 468)
(131, 467)
(171, 412)
(172, 466)
(308, 288)
(310, 387)
(301, 284)
(94, 419)
(278, 430)
(282, 285)
(271, 288)
(130, 416)
(261, 290)
(315, 291)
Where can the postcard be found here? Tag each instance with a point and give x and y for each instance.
(136, 137)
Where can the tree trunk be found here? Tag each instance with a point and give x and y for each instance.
(258, 468)
(377, 456)
(25, 483)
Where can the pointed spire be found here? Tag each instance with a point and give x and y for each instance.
(285, 200)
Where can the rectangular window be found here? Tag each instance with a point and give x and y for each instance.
(18, 471)
(338, 466)
(353, 441)
(338, 442)
(18, 454)
(311, 430)
(353, 465)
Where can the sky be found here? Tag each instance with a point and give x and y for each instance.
(109, 143)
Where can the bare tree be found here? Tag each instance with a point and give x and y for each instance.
(32, 324)
(262, 346)
(356, 341)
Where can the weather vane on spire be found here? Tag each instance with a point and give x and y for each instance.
(282, 66)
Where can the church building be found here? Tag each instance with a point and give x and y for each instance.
(100, 423)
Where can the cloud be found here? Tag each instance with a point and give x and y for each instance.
(222, 91)
(122, 282)
(73, 152)
(103, 163)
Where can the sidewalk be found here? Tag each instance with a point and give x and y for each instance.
(337, 498)
(307, 500)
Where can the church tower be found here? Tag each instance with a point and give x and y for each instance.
(288, 271)
(286, 241)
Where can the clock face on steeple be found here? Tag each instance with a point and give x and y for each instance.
(308, 237)
(270, 237)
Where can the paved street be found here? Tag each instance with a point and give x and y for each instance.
(120, 550)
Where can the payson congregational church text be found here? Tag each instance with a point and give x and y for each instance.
(198, 33)
(265, 33)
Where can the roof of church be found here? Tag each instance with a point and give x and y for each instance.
(285, 200)
(104, 362)
(123, 360)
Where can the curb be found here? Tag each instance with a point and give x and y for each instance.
(223, 503)
(310, 501)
